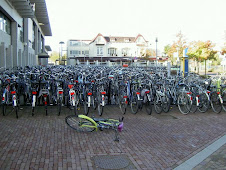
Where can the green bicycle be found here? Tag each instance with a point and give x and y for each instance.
(82, 123)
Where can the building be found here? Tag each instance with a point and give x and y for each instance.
(77, 50)
(23, 27)
(106, 48)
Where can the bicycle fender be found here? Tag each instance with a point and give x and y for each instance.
(88, 118)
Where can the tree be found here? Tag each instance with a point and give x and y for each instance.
(54, 56)
(148, 53)
(202, 51)
(223, 49)
(169, 50)
(180, 44)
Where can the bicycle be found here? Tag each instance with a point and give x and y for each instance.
(83, 123)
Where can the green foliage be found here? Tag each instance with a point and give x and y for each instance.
(201, 51)
(54, 56)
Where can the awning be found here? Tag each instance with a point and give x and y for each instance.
(43, 55)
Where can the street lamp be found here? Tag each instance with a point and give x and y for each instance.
(156, 40)
(60, 53)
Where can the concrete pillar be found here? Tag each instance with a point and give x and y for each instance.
(20, 57)
(14, 37)
(2, 55)
(39, 42)
(35, 57)
(43, 44)
(36, 40)
(26, 41)
(9, 57)
(169, 68)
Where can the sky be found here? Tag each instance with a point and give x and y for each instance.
(84, 19)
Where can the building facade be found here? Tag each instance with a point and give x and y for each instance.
(106, 48)
(23, 27)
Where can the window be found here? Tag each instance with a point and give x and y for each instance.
(33, 37)
(21, 33)
(75, 52)
(111, 51)
(75, 43)
(1, 21)
(5, 24)
(99, 50)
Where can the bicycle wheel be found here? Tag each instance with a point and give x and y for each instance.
(85, 106)
(59, 105)
(134, 103)
(94, 102)
(204, 103)
(122, 104)
(158, 104)
(16, 109)
(215, 102)
(79, 124)
(148, 107)
(184, 103)
(224, 100)
(32, 111)
(194, 103)
(165, 103)
(99, 106)
(3, 109)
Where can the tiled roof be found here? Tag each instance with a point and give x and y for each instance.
(119, 39)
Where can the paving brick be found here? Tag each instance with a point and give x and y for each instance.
(148, 140)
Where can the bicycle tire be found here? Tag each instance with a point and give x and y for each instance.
(4, 109)
(224, 100)
(59, 106)
(157, 104)
(74, 122)
(183, 103)
(16, 109)
(215, 102)
(85, 105)
(21, 100)
(99, 106)
(204, 103)
(122, 104)
(134, 103)
(32, 111)
(194, 107)
(148, 107)
(165, 104)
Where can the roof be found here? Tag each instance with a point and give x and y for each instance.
(119, 39)
(32, 9)
(41, 14)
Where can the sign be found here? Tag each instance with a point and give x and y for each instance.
(185, 52)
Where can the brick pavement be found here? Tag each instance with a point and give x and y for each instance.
(150, 142)
(215, 161)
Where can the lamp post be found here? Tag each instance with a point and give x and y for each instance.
(156, 40)
(60, 53)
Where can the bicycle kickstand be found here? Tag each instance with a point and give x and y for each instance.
(116, 136)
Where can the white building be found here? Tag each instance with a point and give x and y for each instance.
(106, 48)
(77, 50)
(23, 27)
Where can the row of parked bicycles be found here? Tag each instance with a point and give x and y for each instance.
(97, 86)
